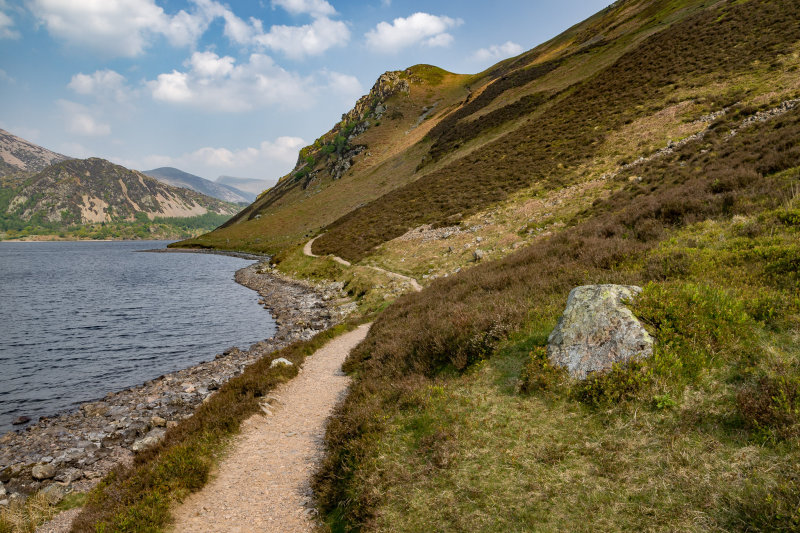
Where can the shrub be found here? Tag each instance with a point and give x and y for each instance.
(538, 374)
(622, 383)
(771, 405)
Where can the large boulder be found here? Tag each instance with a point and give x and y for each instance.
(597, 330)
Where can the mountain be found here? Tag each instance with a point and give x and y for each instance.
(253, 186)
(655, 144)
(77, 194)
(178, 178)
(19, 155)
(430, 147)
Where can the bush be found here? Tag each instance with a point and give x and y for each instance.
(771, 405)
(621, 383)
(538, 374)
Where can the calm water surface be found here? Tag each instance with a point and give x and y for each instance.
(80, 319)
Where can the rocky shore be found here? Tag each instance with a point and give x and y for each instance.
(74, 450)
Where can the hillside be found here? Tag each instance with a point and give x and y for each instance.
(98, 199)
(18, 155)
(178, 178)
(655, 144)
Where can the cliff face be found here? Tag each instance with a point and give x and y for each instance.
(19, 155)
(95, 190)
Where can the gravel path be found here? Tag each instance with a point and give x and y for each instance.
(414, 283)
(263, 484)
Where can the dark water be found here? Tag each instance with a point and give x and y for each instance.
(80, 319)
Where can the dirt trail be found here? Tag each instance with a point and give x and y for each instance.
(263, 484)
(411, 281)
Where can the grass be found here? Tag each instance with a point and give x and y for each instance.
(711, 232)
(138, 498)
(568, 134)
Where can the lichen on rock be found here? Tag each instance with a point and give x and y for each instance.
(597, 330)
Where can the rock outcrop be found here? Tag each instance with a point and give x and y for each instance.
(597, 330)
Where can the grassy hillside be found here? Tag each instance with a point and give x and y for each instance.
(654, 144)
(95, 199)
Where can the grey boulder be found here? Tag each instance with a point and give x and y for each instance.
(597, 330)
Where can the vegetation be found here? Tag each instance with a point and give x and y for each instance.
(138, 497)
(724, 376)
(456, 419)
(719, 42)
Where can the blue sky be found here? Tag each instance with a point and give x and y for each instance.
(233, 88)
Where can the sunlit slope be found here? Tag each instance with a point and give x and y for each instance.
(701, 59)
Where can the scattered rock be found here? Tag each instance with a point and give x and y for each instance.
(43, 471)
(158, 422)
(598, 330)
(2, 491)
(151, 439)
(280, 361)
(54, 493)
(478, 254)
(20, 420)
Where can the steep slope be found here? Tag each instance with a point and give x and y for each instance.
(18, 155)
(655, 144)
(94, 191)
(178, 178)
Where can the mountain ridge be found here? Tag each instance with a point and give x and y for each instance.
(179, 178)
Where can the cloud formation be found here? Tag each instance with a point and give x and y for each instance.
(106, 85)
(315, 8)
(126, 28)
(309, 39)
(497, 52)
(6, 26)
(419, 28)
(80, 121)
(118, 27)
(269, 159)
(216, 83)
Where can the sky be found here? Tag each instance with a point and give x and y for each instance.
(233, 88)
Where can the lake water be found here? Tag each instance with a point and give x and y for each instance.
(81, 319)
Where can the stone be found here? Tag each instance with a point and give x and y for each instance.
(54, 493)
(2, 491)
(597, 330)
(43, 471)
(172, 424)
(158, 422)
(477, 255)
(20, 420)
(151, 439)
(280, 361)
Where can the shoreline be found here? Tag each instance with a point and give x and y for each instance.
(74, 450)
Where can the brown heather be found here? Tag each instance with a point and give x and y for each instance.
(722, 40)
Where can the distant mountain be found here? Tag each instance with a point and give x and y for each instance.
(250, 185)
(178, 178)
(77, 193)
(19, 155)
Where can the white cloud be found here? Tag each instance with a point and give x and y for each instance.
(117, 27)
(419, 28)
(79, 120)
(106, 85)
(173, 87)
(219, 84)
(209, 64)
(269, 159)
(6, 25)
(315, 8)
(309, 39)
(497, 52)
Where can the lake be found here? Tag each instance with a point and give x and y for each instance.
(81, 319)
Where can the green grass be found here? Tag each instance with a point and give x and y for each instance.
(138, 498)
(710, 233)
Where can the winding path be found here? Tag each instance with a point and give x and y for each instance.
(411, 281)
(263, 484)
